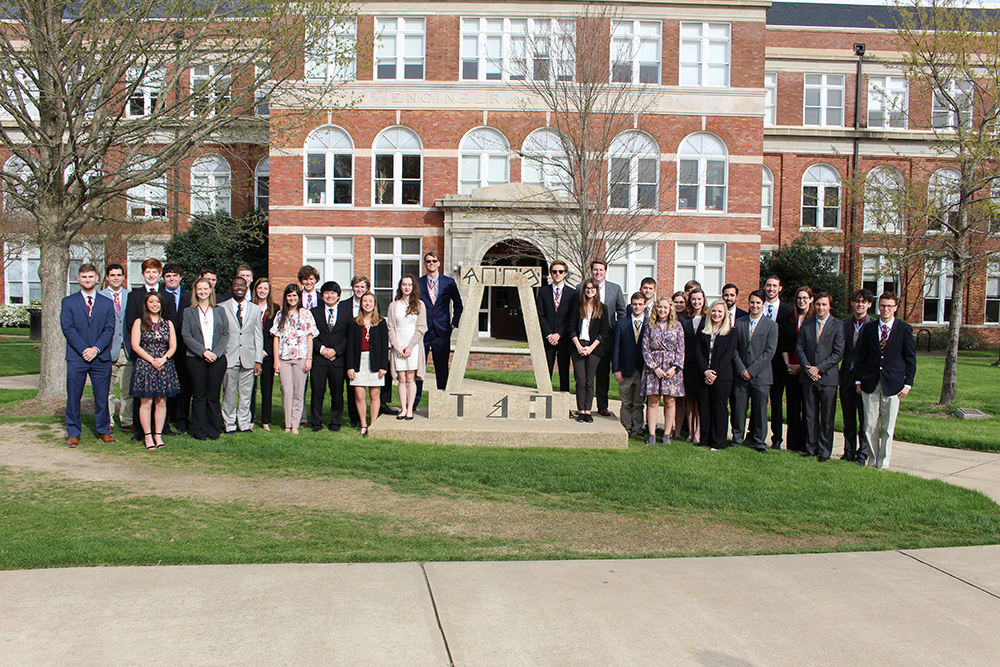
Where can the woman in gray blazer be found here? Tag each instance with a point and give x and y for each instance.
(206, 365)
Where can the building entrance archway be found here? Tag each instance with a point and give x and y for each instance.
(500, 313)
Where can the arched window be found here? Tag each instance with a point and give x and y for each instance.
(943, 196)
(544, 161)
(398, 167)
(329, 167)
(702, 173)
(211, 186)
(262, 184)
(766, 198)
(821, 197)
(484, 160)
(633, 172)
(884, 200)
(148, 200)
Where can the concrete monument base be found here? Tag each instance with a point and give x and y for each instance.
(500, 405)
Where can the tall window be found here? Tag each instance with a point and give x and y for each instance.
(944, 198)
(635, 51)
(993, 293)
(766, 198)
(635, 161)
(884, 200)
(887, 102)
(138, 252)
(704, 262)
(821, 197)
(484, 160)
(329, 167)
(262, 185)
(211, 186)
(638, 263)
(210, 89)
(148, 200)
(770, 98)
(701, 173)
(544, 161)
(705, 54)
(331, 52)
(28, 92)
(333, 257)
(937, 291)
(824, 100)
(399, 50)
(393, 258)
(952, 105)
(145, 91)
(398, 167)
(263, 87)
(878, 276)
(21, 281)
(994, 223)
(495, 49)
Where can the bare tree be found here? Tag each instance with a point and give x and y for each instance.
(102, 98)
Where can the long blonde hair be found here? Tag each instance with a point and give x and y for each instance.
(376, 317)
(724, 329)
(654, 317)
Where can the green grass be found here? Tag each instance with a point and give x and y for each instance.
(527, 379)
(13, 331)
(19, 358)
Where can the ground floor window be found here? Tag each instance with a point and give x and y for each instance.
(704, 262)
(639, 262)
(393, 258)
(333, 258)
(139, 252)
(937, 291)
(993, 293)
(21, 282)
(877, 276)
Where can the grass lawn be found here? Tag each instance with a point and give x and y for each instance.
(13, 331)
(19, 358)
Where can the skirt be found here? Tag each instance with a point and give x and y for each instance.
(365, 377)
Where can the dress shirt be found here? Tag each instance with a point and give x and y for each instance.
(207, 320)
(732, 316)
(753, 324)
(355, 307)
(309, 299)
(331, 311)
(584, 329)
(177, 297)
(771, 309)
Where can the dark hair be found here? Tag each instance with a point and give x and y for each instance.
(598, 261)
(690, 285)
(208, 268)
(730, 285)
(171, 267)
(560, 263)
(285, 306)
(87, 267)
(889, 296)
(648, 280)
(823, 295)
(759, 293)
(330, 286)
(147, 320)
(376, 316)
(862, 294)
(111, 267)
(682, 294)
(242, 280)
(810, 311)
(704, 306)
(271, 308)
(413, 302)
(307, 271)
(636, 295)
(430, 253)
(771, 277)
(597, 308)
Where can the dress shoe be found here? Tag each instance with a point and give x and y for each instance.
(317, 429)
(822, 459)
(776, 446)
(72, 442)
(604, 412)
(386, 410)
(233, 432)
(167, 431)
(127, 428)
(845, 457)
(105, 438)
(334, 427)
(355, 424)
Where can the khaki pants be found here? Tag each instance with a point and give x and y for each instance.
(121, 376)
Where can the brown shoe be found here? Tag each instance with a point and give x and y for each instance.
(127, 428)
(604, 412)
(104, 437)
(73, 442)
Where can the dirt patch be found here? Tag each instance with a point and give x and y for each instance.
(45, 406)
(556, 530)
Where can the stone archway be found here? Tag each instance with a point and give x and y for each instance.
(500, 313)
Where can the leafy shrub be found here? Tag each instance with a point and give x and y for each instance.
(13, 316)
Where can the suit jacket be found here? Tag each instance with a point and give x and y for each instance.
(722, 356)
(440, 321)
(848, 366)
(894, 367)
(614, 301)
(740, 313)
(133, 311)
(116, 342)
(83, 331)
(246, 341)
(825, 353)
(378, 341)
(599, 330)
(191, 332)
(785, 313)
(334, 338)
(755, 354)
(626, 356)
(552, 320)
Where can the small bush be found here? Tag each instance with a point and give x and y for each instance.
(13, 316)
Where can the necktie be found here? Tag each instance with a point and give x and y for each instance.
(857, 329)
(648, 308)
(753, 325)
(239, 313)
(558, 296)
(330, 318)
(638, 325)
(883, 338)
(432, 288)
(819, 329)
(90, 306)
(770, 311)
(118, 304)
(732, 318)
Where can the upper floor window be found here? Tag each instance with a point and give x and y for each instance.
(705, 54)
(148, 200)
(952, 105)
(145, 90)
(766, 198)
(701, 173)
(884, 200)
(263, 87)
(821, 197)
(993, 293)
(331, 52)
(19, 186)
(770, 98)
(544, 161)
(262, 185)
(633, 173)
(887, 102)
(399, 50)
(635, 51)
(484, 160)
(398, 167)
(329, 167)
(23, 94)
(824, 100)
(943, 197)
(994, 223)
(211, 186)
(210, 89)
(495, 49)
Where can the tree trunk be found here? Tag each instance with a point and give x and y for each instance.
(52, 269)
(949, 381)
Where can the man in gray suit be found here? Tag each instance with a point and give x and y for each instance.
(121, 346)
(612, 299)
(820, 348)
(244, 356)
(756, 343)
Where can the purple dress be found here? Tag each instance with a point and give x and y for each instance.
(663, 348)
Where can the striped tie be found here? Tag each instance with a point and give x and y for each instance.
(884, 337)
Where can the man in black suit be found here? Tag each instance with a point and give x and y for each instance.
(614, 301)
(554, 303)
(151, 269)
(627, 364)
(729, 293)
(648, 290)
(329, 351)
(856, 446)
(359, 286)
(887, 364)
(819, 349)
(756, 344)
(779, 312)
(176, 300)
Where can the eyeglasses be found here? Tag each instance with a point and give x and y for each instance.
(590, 287)
(557, 271)
(801, 298)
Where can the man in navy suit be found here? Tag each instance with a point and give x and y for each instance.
(856, 446)
(887, 364)
(444, 311)
(176, 300)
(627, 364)
(88, 323)
(820, 348)
(554, 304)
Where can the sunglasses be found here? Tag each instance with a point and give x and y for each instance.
(557, 271)
(430, 261)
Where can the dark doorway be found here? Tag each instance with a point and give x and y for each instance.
(502, 305)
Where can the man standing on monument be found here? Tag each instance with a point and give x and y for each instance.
(555, 305)
(614, 301)
(444, 311)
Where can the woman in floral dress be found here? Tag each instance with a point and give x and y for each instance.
(154, 377)
(663, 376)
(293, 331)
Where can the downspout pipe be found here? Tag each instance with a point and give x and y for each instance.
(859, 51)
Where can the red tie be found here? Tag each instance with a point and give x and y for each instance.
(558, 296)
(118, 304)
(90, 306)
(432, 288)
(884, 338)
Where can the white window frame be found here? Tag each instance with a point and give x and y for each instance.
(698, 267)
(544, 162)
(16, 167)
(211, 185)
(400, 143)
(211, 89)
(825, 87)
(403, 261)
(638, 262)
(327, 149)
(137, 253)
(877, 272)
(707, 152)
(942, 191)
(937, 282)
(637, 46)
(705, 54)
(146, 89)
(22, 268)
(505, 49)
(333, 56)
(819, 176)
(332, 257)
(632, 155)
(484, 149)
(887, 102)
(395, 39)
(262, 185)
(992, 292)
(883, 192)
(943, 116)
(766, 198)
(149, 199)
(25, 96)
(263, 87)
(770, 98)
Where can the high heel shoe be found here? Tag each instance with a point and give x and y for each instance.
(160, 443)
(149, 437)
(364, 432)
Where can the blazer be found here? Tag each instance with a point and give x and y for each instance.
(894, 367)
(603, 331)
(440, 321)
(191, 332)
(117, 342)
(848, 365)
(378, 341)
(246, 342)
(626, 356)
(133, 311)
(785, 313)
(267, 349)
(82, 331)
(334, 338)
(614, 300)
(552, 320)
(722, 355)
(755, 355)
(825, 353)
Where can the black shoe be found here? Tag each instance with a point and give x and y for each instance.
(355, 424)
(386, 410)
(776, 446)
(334, 427)
(761, 450)
(317, 429)
(167, 431)
(822, 459)
(233, 432)
(845, 457)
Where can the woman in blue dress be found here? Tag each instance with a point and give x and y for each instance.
(154, 377)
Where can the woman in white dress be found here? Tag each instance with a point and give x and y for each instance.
(407, 325)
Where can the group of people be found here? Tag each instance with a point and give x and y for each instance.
(708, 363)
(193, 361)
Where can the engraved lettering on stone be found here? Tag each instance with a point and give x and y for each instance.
(500, 406)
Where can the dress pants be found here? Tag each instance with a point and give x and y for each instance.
(121, 377)
(781, 378)
(797, 429)
(852, 408)
(236, 398)
(326, 374)
(77, 371)
(820, 403)
(880, 418)
(734, 418)
(440, 351)
(633, 414)
(266, 391)
(756, 395)
(603, 381)
(206, 384)
(712, 406)
(352, 407)
(179, 406)
(293, 390)
(584, 369)
(560, 352)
